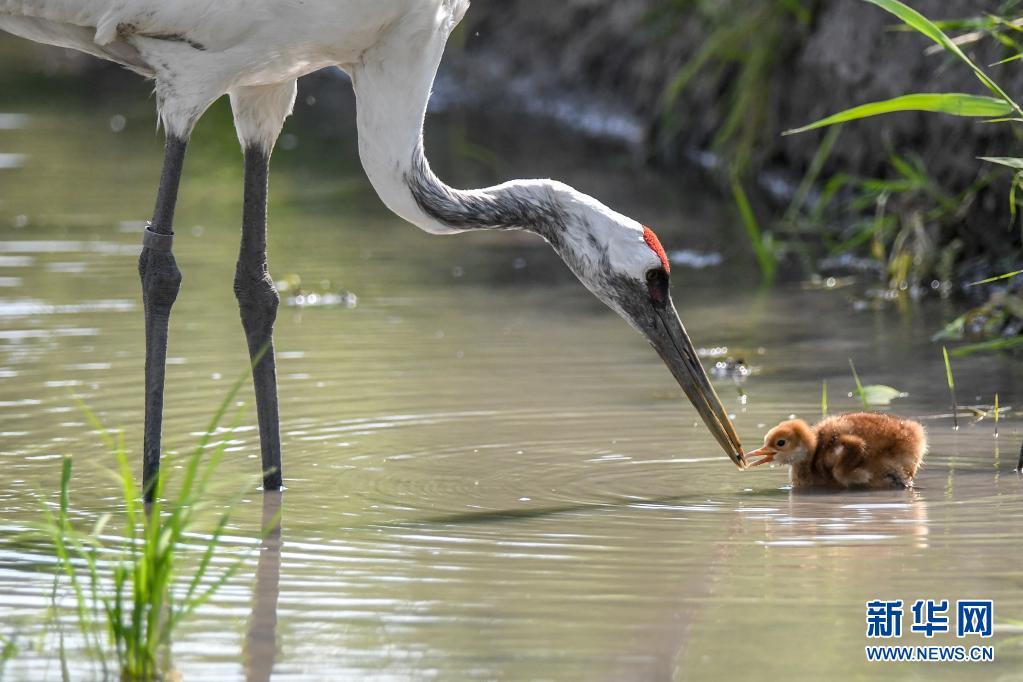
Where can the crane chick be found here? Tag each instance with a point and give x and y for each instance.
(859, 450)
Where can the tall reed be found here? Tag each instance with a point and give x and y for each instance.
(131, 587)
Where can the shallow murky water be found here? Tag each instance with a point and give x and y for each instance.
(489, 475)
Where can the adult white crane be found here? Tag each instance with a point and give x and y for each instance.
(254, 50)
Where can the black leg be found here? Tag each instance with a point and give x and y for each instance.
(257, 301)
(161, 281)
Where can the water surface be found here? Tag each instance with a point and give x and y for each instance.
(489, 475)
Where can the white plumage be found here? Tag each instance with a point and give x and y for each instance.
(254, 50)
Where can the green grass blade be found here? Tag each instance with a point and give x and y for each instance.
(1013, 58)
(925, 26)
(1009, 161)
(95, 422)
(207, 557)
(824, 399)
(956, 104)
(859, 386)
(136, 598)
(813, 173)
(951, 388)
(996, 415)
(1010, 343)
(1013, 205)
(1008, 275)
(761, 242)
(948, 369)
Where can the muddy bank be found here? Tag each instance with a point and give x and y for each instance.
(626, 55)
(623, 54)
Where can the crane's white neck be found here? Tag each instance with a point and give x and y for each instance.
(391, 147)
(392, 85)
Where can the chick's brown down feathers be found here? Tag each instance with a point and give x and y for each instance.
(859, 450)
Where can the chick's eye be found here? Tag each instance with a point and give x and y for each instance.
(780, 442)
(657, 285)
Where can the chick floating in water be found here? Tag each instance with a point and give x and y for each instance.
(859, 450)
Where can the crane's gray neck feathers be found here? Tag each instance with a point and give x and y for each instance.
(505, 207)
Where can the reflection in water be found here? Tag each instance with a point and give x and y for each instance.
(809, 519)
(261, 638)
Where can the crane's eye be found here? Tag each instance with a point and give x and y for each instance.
(657, 285)
(780, 443)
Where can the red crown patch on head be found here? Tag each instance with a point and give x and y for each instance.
(655, 245)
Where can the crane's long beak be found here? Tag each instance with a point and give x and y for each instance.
(670, 340)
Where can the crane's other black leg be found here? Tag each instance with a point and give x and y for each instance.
(258, 301)
(161, 281)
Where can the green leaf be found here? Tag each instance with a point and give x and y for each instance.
(1008, 275)
(1010, 343)
(948, 369)
(880, 394)
(1010, 161)
(925, 26)
(1013, 58)
(957, 104)
(762, 245)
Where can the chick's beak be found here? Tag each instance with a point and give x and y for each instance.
(766, 454)
(670, 340)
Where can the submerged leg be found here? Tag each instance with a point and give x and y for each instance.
(257, 301)
(161, 281)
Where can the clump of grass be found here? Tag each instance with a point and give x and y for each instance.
(996, 106)
(742, 44)
(131, 588)
(901, 219)
(996, 322)
(8, 650)
(951, 389)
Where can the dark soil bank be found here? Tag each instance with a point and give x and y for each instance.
(607, 64)
(847, 53)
